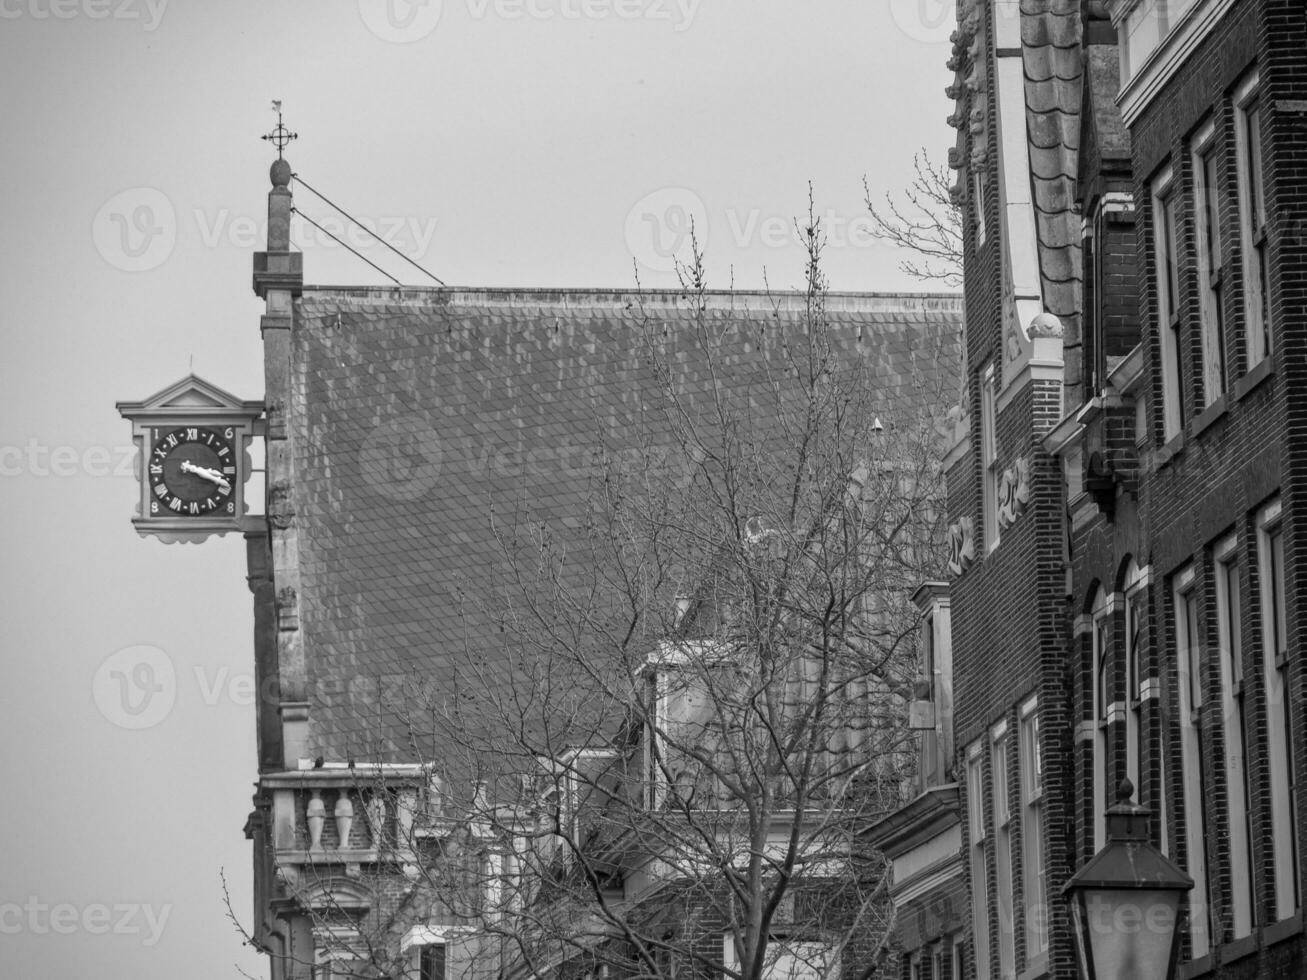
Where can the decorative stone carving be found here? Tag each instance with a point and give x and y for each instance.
(276, 419)
(288, 609)
(315, 816)
(344, 814)
(1013, 492)
(961, 545)
(287, 877)
(280, 509)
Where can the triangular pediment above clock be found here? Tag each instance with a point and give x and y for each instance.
(190, 393)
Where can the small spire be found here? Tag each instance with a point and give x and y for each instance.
(280, 136)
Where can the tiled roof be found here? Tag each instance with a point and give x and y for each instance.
(1051, 55)
(417, 412)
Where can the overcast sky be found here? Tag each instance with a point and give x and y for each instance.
(498, 142)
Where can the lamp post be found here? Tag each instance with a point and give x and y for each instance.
(1125, 903)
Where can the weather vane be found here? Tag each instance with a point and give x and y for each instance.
(280, 136)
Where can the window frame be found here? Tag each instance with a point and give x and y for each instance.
(1033, 854)
(1195, 793)
(1204, 157)
(1004, 880)
(1229, 624)
(1279, 716)
(989, 456)
(979, 859)
(1164, 198)
(1100, 705)
(1253, 232)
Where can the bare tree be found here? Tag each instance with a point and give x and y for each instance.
(924, 221)
(693, 703)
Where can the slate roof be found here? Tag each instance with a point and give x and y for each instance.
(417, 411)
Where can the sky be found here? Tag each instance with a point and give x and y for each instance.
(545, 143)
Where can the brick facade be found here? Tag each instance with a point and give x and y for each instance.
(1123, 549)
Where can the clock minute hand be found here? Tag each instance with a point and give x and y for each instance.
(213, 476)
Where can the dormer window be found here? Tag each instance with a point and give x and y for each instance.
(677, 715)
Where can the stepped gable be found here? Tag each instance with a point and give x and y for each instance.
(497, 401)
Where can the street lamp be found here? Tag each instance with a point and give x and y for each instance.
(1125, 903)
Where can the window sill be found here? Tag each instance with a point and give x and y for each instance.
(1240, 948)
(1237, 949)
(1036, 969)
(1210, 414)
(1283, 929)
(1258, 373)
(1173, 448)
(1196, 968)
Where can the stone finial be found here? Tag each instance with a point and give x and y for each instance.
(1045, 325)
(280, 173)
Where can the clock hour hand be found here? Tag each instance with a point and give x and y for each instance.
(213, 476)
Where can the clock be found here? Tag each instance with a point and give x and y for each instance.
(193, 444)
(192, 470)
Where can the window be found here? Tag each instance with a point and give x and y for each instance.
(1252, 222)
(1207, 211)
(1166, 255)
(1279, 719)
(590, 778)
(1144, 28)
(989, 458)
(1233, 714)
(1101, 681)
(431, 963)
(1135, 617)
(978, 202)
(1003, 851)
(1092, 275)
(1032, 833)
(792, 958)
(677, 713)
(1189, 673)
(979, 863)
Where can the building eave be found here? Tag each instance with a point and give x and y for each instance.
(925, 817)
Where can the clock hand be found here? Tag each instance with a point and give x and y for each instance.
(213, 476)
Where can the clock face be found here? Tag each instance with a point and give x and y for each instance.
(192, 472)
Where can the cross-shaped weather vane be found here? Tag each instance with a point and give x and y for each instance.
(280, 136)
